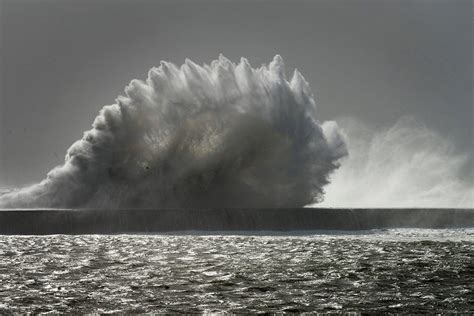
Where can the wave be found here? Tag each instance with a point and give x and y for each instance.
(222, 134)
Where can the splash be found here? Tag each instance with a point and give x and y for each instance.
(198, 136)
(406, 165)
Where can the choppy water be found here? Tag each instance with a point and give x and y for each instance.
(393, 270)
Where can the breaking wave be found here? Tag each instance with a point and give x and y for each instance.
(198, 136)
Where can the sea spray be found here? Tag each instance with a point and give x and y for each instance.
(405, 165)
(222, 134)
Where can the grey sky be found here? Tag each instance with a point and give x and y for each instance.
(61, 61)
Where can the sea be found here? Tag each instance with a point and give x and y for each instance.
(394, 270)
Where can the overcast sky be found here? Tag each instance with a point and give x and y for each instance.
(62, 60)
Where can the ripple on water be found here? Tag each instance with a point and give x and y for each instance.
(395, 270)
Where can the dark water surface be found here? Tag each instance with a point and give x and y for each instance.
(391, 270)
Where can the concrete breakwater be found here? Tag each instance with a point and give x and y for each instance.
(99, 221)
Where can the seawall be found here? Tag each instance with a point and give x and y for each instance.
(42, 222)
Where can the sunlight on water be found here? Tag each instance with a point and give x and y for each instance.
(387, 270)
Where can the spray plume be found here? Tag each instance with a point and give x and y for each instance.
(198, 136)
(406, 165)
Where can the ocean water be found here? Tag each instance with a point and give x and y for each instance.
(402, 270)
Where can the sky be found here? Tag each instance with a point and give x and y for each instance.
(376, 61)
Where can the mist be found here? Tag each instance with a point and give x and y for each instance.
(405, 165)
